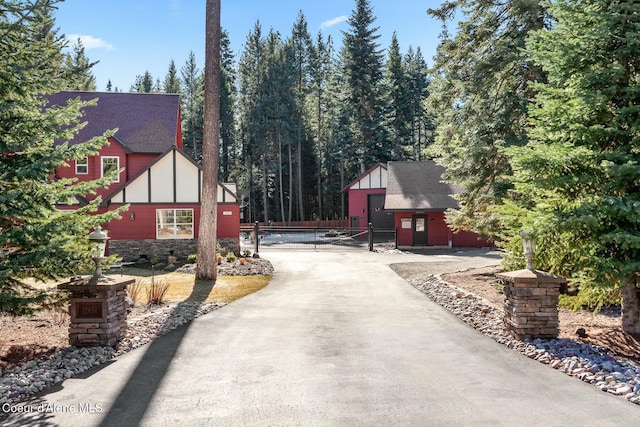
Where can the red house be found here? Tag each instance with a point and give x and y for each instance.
(160, 182)
(411, 198)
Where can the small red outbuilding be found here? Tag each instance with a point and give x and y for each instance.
(411, 198)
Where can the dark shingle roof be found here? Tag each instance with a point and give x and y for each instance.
(147, 123)
(418, 186)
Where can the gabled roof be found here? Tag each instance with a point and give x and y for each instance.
(375, 177)
(418, 186)
(172, 178)
(146, 122)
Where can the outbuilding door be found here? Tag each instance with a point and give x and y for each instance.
(420, 230)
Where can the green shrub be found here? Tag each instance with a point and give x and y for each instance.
(192, 258)
(231, 257)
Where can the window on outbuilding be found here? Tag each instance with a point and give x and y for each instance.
(174, 223)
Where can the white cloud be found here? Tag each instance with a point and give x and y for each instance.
(334, 21)
(89, 42)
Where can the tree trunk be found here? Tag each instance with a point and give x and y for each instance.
(631, 306)
(265, 189)
(280, 179)
(207, 267)
(299, 154)
(319, 173)
(290, 184)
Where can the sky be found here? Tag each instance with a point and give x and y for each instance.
(130, 37)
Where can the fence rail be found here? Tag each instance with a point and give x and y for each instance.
(256, 237)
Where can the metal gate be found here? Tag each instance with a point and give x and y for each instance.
(257, 238)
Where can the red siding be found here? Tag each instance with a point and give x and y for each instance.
(114, 149)
(137, 162)
(437, 229)
(143, 226)
(228, 225)
(358, 204)
(405, 235)
(438, 232)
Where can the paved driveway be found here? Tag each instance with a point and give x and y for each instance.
(337, 339)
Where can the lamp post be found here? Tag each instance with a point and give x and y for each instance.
(529, 248)
(98, 239)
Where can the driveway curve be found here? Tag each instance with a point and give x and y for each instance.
(337, 339)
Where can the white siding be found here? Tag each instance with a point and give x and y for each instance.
(186, 180)
(377, 178)
(138, 190)
(162, 180)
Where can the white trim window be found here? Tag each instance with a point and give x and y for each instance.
(174, 223)
(82, 166)
(109, 164)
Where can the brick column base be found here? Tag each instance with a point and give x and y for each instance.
(531, 303)
(98, 312)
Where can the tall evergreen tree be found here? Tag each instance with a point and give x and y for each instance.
(400, 120)
(422, 128)
(171, 82)
(192, 105)
(320, 71)
(479, 96)
(36, 239)
(301, 46)
(363, 76)
(80, 68)
(578, 180)
(252, 71)
(143, 83)
(229, 153)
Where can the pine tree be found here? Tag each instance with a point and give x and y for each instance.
(109, 86)
(363, 77)
(36, 239)
(301, 46)
(252, 71)
(229, 152)
(577, 181)
(80, 67)
(400, 120)
(478, 97)
(192, 106)
(171, 82)
(422, 128)
(143, 83)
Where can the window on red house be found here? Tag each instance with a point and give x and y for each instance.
(110, 164)
(82, 166)
(174, 223)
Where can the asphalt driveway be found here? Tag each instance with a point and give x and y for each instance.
(337, 339)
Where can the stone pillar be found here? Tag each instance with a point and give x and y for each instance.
(531, 303)
(98, 312)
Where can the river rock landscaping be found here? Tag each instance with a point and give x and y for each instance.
(587, 362)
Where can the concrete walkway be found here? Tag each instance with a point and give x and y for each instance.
(337, 339)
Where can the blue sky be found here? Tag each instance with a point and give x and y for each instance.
(130, 37)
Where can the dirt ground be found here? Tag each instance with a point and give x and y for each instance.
(26, 338)
(603, 329)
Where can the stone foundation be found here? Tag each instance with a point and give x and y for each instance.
(134, 250)
(98, 312)
(531, 303)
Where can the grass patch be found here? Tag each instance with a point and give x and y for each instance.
(182, 287)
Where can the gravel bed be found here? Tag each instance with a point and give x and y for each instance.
(20, 382)
(591, 364)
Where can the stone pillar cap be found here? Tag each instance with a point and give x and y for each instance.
(532, 275)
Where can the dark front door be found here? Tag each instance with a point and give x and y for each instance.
(420, 230)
